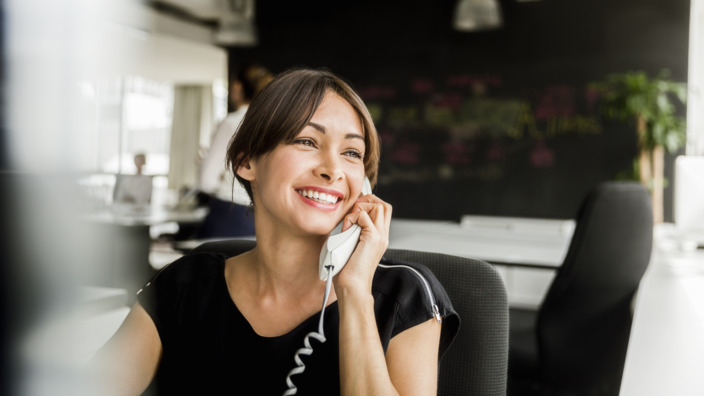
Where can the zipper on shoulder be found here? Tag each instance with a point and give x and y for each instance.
(426, 284)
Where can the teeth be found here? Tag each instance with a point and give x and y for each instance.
(318, 196)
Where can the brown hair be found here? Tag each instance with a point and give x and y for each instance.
(283, 108)
(254, 77)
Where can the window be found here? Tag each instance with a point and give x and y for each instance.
(132, 115)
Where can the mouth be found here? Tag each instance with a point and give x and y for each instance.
(318, 196)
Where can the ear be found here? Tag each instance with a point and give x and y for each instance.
(246, 170)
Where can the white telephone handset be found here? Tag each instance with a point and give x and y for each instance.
(340, 245)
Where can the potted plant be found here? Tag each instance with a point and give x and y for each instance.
(651, 104)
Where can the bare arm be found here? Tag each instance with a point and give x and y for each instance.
(128, 361)
(410, 364)
(412, 359)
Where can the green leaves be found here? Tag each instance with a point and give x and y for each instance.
(632, 95)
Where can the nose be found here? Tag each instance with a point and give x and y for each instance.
(329, 167)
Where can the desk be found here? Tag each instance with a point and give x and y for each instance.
(666, 349)
(525, 251)
(507, 241)
(155, 216)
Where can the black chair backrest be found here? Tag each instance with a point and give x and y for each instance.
(476, 363)
(585, 319)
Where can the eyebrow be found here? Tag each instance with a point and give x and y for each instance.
(321, 129)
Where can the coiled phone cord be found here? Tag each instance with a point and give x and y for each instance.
(307, 348)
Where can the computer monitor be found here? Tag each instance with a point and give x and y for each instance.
(689, 198)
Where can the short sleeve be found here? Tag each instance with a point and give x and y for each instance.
(417, 296)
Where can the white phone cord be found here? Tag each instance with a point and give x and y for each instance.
(308, 349)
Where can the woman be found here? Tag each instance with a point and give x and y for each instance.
(214, 325)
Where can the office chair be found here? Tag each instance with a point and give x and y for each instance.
(476, 363)
(575, 343)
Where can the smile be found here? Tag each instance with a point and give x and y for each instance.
(319, 196)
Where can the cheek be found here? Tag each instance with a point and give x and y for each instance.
(278, 169)
(357, 174)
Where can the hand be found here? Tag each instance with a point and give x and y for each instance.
(373, 215)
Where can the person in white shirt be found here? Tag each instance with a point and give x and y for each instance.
(227, 201)
(133, 192)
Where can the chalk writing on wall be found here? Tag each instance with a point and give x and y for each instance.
(467, 127)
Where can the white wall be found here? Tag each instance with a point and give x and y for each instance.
(143, 42)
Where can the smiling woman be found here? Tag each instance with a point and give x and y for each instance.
(209, 324)
(284, 111)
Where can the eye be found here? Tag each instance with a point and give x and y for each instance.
(305, 142)
(353, 154)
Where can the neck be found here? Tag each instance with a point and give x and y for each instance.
(285, 266)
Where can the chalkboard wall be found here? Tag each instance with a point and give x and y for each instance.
(498, 122)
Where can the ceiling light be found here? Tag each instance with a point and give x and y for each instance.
(473, 15)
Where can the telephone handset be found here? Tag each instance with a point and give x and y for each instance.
(340, 245)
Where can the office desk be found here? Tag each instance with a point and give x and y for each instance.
(666, 348)
(526, 252)
(156, 216)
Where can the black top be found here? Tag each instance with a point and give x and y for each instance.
(210, 348)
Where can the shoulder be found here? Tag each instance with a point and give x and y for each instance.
(192, 267)
(190, 272)
(404, 291)
(403, 281)
(409, 294)
(229, 124)
(186, 285)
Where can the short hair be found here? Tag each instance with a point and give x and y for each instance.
(284, 107)
(253, 77)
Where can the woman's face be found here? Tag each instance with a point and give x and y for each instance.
(310, 184)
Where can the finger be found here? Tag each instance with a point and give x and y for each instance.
(371, 198)
(378, 217)
(359, 217)
(377, 209)
(351, 218)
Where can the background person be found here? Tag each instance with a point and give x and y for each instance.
(224, 218)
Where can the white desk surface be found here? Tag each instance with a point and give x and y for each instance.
(538, 242)
(156, 216)
(666, 349)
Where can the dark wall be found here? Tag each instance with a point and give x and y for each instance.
(489, 123)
